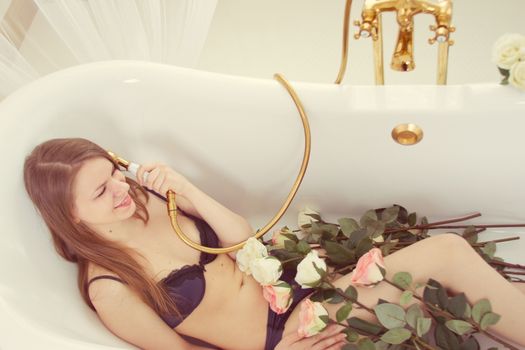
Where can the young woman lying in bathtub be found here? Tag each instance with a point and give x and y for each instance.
(132, 266)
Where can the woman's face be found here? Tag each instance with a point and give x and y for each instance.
(101, 195)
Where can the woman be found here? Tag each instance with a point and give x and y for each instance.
(144, 282)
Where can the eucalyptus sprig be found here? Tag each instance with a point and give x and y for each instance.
(402, 325)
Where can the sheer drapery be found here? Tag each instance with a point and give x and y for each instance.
(62, 33)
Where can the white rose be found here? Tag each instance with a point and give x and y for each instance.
(508, 49)
(307, 276)
(253, 249)
(517, 75)
(266, 270)
(304, 219)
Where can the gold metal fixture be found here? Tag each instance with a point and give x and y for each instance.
(407, 134)
(403, 57)
(344, 54)
(171, 196)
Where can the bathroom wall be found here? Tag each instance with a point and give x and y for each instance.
(302, 39)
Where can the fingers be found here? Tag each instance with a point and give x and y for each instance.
(330, 338)
(332, 342)
(145, 169)
(336, 346)
(152, 176)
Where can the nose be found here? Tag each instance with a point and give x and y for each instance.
(118, 184)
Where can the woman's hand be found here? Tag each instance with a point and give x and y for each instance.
(328, 339)
(161, 178)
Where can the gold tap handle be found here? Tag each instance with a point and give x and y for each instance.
(172, 206)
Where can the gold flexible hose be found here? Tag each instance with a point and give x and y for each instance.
(344, 49)
(170, 195)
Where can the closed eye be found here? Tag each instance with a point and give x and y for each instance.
(104, 188)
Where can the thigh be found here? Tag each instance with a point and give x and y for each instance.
(422, 259)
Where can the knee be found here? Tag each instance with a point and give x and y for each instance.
(452, 246)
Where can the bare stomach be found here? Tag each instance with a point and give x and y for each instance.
(233, 312)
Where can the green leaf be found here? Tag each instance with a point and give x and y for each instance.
(338, 253)
(351, 292)
(468, 311)
(406, 297)
(365, 344)
(470, 344)
(335, 299)
(343, 312)
(351, 335)
(390, 315)
(389, 214)
(381, 345)
(303, 247)
(458, 326)
(412, 219)
(349, 347)
(369, 216)
(396, 336)
(319, 270)
(489, 319)
(291, 236)
(348, 225)
(290, 245)
(480, 308)
(445, 338)
(402, 279)
(364, 326)
(489, 249)
(413, 313)
(457, 305)
(423, 325)
(436, 296)
(504, 72)
(364, 247)
(356, 237)
(325, 319)
(375, 228)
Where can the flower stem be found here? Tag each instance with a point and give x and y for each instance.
(480, 244)
(502, 263)
(292, 259)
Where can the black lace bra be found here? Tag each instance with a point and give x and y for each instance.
(186, 285)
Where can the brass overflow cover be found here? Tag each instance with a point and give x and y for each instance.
(407, 134)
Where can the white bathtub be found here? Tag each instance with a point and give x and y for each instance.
(241, 141)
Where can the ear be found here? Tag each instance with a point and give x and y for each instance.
(74, 212)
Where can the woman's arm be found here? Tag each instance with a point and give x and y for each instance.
(128, 317)
(231, 228)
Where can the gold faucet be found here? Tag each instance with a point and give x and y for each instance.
(403, 57)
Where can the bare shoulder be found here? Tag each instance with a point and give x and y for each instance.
(126, 315)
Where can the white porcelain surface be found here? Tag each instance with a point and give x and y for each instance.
(241, 141)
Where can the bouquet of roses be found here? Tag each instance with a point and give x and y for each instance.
(359, 247)
(508, 53)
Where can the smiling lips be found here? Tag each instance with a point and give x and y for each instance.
(125, 202)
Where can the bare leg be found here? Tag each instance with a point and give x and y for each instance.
(520, 286)
(450, 260)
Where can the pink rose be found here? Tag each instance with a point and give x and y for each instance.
(279, 295)
(313, 318)
(367, 272)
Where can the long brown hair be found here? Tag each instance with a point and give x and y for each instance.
(49, 172)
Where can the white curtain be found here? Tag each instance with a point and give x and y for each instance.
(69, 32)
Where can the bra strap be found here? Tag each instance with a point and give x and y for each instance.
(109, 277)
